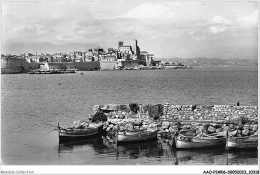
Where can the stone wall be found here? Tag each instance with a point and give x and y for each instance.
(85, 66)
(108, 65)
(193, 120)
(131, 63)
(188, 112)
(62, 65)
(215, 112)
(14, 65)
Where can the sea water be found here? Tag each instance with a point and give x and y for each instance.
(33, 105)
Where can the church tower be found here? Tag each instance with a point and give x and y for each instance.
(120, 44)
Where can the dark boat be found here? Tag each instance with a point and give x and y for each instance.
(72, 134)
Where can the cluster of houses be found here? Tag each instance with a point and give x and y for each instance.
(122, 53)
(125, 56)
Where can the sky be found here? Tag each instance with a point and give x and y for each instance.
(224, 29)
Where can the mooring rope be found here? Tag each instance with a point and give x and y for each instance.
(39, 137)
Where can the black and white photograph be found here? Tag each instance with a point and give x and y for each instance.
(129, 86)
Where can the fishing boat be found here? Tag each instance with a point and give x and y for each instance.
(182, 141)
(72, 134)
(248, 142)
(136, 136)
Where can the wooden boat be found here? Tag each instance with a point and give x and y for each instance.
(182, 141)
(249, 142)
(138, 136)
(72, 134)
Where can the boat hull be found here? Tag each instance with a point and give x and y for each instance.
(136, 136)
(67, 135)
(187, 142)
(242, 143)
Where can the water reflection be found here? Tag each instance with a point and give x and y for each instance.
(69, 146)
(246, 157)
(156, 152)
(132, 150)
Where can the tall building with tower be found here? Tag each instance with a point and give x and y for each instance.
(120, 44)
(136, 49)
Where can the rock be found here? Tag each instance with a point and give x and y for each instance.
(253, 127)
(161, 131)
(199, 129)
(245, 132)
(246, 127)
(145, 126)
(122, 127)
(251, 132)
(136, 127)
(173, 128)
(121, 116)
(211, 129)
(111, 126)
(115, 127)
(96, 108)
(165, 127)
(129, 127)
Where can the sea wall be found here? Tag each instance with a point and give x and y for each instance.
(131, 63)
(108, 65)
(186, 112)
(82, 66)
(62, 65)
(13, 65)
(85, 66)
(203, 112)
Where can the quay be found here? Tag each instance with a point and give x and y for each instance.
(170, 120)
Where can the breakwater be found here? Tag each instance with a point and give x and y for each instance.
(183, 112)
(193, 120)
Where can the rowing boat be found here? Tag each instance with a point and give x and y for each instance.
(71, 134)
(245, 142)
(182, 141)
(136, 136)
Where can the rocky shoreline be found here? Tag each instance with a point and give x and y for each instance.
(168, 120)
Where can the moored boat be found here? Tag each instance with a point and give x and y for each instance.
(71, 134)
(245, 142)
(182, 141)
(136, 136)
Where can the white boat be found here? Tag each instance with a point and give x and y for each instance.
(248, 142)
(136, 136)
(182, 141)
